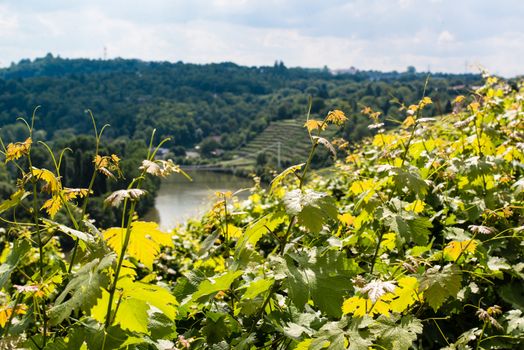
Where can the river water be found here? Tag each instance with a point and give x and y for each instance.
(178, 199)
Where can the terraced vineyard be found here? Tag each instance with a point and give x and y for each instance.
(291, 135)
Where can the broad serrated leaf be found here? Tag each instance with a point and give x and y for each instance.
(324, 279)
(405, 294)
(52, 183)
(132, 315)
(154, 295)
(144, 243)
(313, 209)
(256, 230)
(84, 237)
(13, 200)
(515, 321)
(455, 248)
(257, 287)
(410, 180)
(18, 250)
(439, 284)
(211, 286)
(280, 177)
(411, 228)
(396, 335)
(83, 290)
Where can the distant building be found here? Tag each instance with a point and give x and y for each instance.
(350, 70)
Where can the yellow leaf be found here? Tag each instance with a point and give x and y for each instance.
(458, 99)
(408, 122)
(18, 149)
(336, 117)
(347, 219)
(358, 187)
(405, 294)
(52, 205)
(144, 243)
(389, 241)
(426, 101)
(6, 312)
(280, 177)
(417, 206)
(356, 306)
(304, 344)
(73, 193)
(52, 183)
(454, 248)
(233, 231)
(313, 124)
(359, 306)
(384, 140)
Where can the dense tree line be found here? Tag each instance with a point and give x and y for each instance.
(192, 103)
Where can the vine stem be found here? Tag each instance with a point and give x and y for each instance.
(150, 156)
(127, 237)
(376, 252)
(98, 136)
(5, 331)
(38, 230)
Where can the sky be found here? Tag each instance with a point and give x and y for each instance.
(440, 35)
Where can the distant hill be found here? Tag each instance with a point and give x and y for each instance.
(193, 103)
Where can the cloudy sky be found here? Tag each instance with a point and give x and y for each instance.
(442, 35)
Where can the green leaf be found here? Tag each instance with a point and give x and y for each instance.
(313, 209)
(396, 336)
(215, 285)
(280, 177)
(325, 279)
(152, 294)
(257, 287)
(18, 251)
(83, 290)
(410, 180)
(84, 237)
(408, 226)
(13, 201)
(438, 285)
(515, 321)
(132, 315)
(256, 230)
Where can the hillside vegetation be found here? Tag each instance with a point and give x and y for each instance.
(413, 241)
(192, 103)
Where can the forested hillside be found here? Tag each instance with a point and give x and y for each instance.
(192, 103)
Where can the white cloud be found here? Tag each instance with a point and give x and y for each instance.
(445, 38)
(368, 34)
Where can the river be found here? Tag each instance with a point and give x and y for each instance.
(179, 199)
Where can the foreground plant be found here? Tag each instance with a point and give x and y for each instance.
(96, 299)
(414, 241)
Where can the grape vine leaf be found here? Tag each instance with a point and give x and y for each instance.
(408, 226)
(439, 284)
(19, 249)
(144, 243)
(405, 294)
(257, 287)
(83, 290)
(211, 286)
(13, 200)
(324, 279)
(313, 209)
(256, 230)
(396, 335)
(132, 315)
